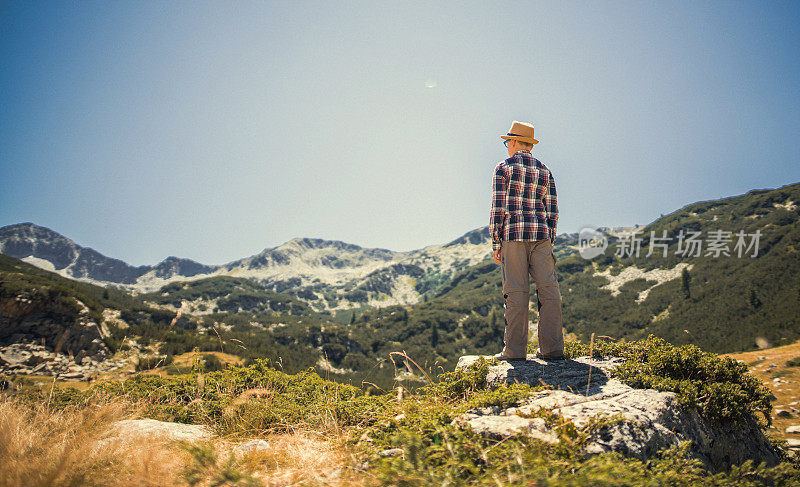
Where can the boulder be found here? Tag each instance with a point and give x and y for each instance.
(34, 318)
(150, 428)
(34, 345)
(647, 420)
(251, 446)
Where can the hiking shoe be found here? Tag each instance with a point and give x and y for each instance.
(540, 355)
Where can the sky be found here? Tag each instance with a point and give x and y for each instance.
(214, 130)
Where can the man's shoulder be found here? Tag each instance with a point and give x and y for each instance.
(508, 161)
(500, 166)
(520, 157)
(540, 164)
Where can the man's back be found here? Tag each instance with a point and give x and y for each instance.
(524, 200)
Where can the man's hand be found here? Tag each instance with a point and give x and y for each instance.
(496, 254)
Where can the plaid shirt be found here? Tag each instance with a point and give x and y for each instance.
(524, 202)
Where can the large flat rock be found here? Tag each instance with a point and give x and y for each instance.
(152, 429)
(570, 374)
(649, 420)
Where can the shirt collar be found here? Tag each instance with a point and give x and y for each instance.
(522, 150)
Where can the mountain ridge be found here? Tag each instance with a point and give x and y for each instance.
(331, 275)
(301, 261)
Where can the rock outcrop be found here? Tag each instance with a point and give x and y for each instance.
(129, 429)
(647, 420)
(46, 335)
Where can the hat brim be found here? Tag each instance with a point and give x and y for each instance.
(521, 139)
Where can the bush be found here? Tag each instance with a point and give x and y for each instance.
(238, 399)
(211, 363)
(721, 388)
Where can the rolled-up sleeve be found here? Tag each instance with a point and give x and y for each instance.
(498, 212)
(551, 206)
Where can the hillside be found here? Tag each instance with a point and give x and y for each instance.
(256, 425)
(725, 303)
(371, 390)
(728, 303)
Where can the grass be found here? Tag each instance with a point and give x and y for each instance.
(324, 433)
(45, 446)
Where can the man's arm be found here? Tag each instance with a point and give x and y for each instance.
(498, 213)
(551, 207)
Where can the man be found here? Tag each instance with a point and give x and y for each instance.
(523, 226)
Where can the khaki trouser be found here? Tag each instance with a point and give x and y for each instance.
(518, 260)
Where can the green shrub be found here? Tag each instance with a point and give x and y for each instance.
(459, 383)
(211, 363)
(253, 398)
(720, 387)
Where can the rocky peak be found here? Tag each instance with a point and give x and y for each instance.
(305, 244)
(29, 240)
(177, 266)
(32, 231)
(474, 237)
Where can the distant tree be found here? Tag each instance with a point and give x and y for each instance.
(211, 363)
(434, 333)
(105, 294)
(353, 317)
(755, 303)
(687, 279)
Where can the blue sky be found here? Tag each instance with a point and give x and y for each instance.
(212, 130)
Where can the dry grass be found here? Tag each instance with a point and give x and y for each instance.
(41, 446)
(301, 457)
(305, 455)
(787, 393)
(45, 446)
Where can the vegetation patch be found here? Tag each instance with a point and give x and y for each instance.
(413, 438)
(720, 387)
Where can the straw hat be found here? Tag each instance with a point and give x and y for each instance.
(521, 131)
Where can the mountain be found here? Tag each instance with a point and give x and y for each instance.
(329, 274)
(448, 294)
(344, 309)
(52, 251)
